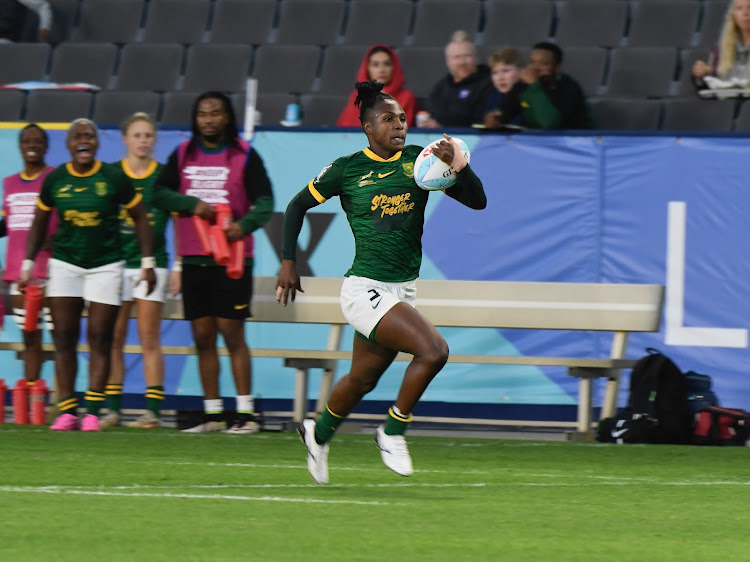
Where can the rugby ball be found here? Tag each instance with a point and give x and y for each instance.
(431, 173)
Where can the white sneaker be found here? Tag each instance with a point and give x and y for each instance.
(110, 419)
(206, 427)
(245, 428)
(394, 451)
(317, 455)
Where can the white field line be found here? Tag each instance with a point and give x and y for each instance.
(51, 490)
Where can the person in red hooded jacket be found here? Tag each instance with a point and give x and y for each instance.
(381, 63)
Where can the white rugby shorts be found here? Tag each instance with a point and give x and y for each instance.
(101, 284)
(132, 289)
(365, 301)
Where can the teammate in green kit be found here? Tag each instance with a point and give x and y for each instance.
(385, 209)
(86, 265)
(139, 137)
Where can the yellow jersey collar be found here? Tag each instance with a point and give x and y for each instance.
(95, 169)
(131, 174)
(371, 155)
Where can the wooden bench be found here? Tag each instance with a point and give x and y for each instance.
(616, 308)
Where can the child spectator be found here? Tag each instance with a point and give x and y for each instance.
(505, 70)
(545, 97)
(380, 63)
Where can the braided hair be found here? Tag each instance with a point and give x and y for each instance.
(231, 130)
(369, 94)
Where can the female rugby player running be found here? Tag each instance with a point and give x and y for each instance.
(385, 209)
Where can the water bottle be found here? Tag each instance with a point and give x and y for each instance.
(293, 116)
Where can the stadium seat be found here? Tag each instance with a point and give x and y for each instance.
(23, 62)
(243, 21)
(712, 21)
(321, 110)
(742, 123)
(299, 64)
(698, 115)
(647, 23)
(149, 67)
(586, 65)
(83, 62)
(272, 107)
(385, 21)
(641, 71)
(310, 22)
(436, 20)
(687, 59)
(517, 22)
(177, 108)
(11, 104)
(626, 114)
(176, 21)
(64, 14)
(109, 21)
(423, 67)
(340, 66)
(591, 23)
(57, 106)
(112, 108)
(217, 67)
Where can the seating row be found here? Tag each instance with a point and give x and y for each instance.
(298, 69)
(173, 109)
(396, 22)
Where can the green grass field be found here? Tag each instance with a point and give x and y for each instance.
(161, 495)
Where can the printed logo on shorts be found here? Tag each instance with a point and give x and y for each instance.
(375, 298)
(240, 306)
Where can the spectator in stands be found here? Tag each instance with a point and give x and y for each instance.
(381, 63)
(545, 97)
(386, 210)
(460, 98)
(505, 69)
(216, 166)
(139, 137)
(13, 17)
(86, 265)
(730, 58)
(20, 192)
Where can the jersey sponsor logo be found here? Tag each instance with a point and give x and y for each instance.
(64, 191)
(207, 182)
(101, 188)
(381, 176)
(390, 205)
(79, 189)
(322, 173)
(20, 208)
(365, 180)
(84, 219)
(241, 306)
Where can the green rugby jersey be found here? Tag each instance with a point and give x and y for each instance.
(385, 210)
(157, 218)
(88, 206)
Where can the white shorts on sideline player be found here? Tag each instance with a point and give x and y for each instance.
(365, 301)
(19, 314)
(132, 289)
(101, 284)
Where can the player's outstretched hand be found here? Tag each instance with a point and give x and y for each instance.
(204, 210)
(288, 282)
